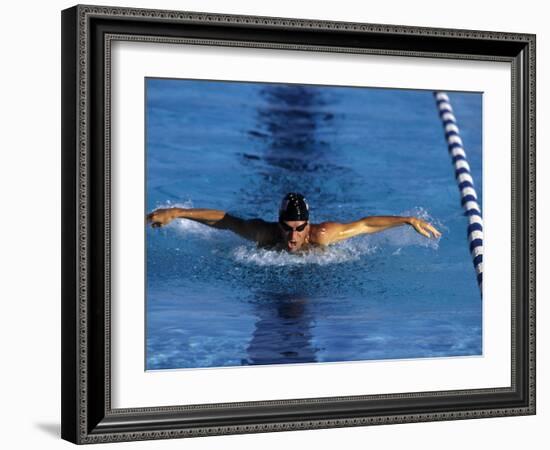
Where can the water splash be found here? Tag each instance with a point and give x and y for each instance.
(321, 256)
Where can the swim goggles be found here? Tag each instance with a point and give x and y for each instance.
(288, 228)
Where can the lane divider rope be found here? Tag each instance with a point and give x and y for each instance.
(465, 182)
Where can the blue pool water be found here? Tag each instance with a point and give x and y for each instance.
(214, 299)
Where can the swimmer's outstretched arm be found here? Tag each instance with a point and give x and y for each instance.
(164, 216)
(329, 232)
(253, 229)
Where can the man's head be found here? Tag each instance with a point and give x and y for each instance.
(294, 221)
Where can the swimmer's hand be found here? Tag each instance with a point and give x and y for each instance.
(424, 228)
(160, 217)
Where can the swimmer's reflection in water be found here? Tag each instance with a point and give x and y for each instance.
(293, 232)
(283, 331)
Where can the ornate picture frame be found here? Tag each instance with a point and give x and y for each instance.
(88, 415)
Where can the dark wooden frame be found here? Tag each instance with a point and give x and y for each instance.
(87, 416)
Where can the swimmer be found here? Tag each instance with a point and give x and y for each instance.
(293, 232)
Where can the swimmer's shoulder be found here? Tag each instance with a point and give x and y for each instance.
(321, 234)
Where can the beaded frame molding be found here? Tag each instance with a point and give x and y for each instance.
(87, 34)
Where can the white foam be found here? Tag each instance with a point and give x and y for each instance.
(335, 254)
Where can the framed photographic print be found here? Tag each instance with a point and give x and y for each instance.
(281, 224)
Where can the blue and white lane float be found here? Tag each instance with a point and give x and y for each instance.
(464, 181)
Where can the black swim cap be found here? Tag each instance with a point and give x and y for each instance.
(293, 207)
